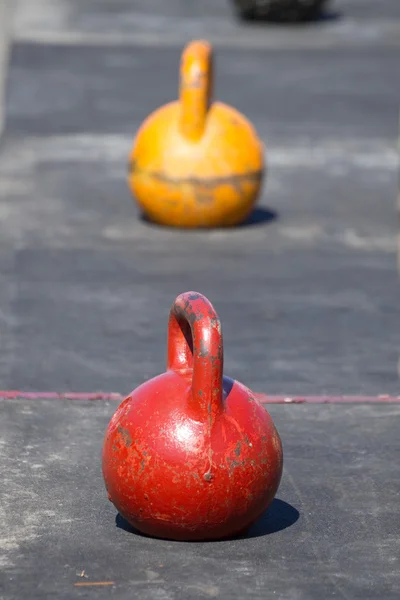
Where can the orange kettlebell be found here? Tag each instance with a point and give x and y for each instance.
(196, 163)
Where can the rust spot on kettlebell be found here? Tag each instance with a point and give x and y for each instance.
(238, 448)
(194, 296)
(126, 436)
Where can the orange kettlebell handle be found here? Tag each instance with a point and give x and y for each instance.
(196, 82)
(195, 343)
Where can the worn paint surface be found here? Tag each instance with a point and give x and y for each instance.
(196, 163)
(191, 454)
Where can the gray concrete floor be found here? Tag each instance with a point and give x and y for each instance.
(332, 531)
(309, 300)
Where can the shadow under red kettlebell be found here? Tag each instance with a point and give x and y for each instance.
(191, 454)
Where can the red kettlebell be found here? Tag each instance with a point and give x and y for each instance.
(191, 454)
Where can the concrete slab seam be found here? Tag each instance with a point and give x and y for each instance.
(339, 38)
(5, 41)
(263, 398)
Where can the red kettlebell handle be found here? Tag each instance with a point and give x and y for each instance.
(195, 344)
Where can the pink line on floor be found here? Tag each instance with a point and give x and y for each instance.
(263, 398)
(16, 394)
(383, 399)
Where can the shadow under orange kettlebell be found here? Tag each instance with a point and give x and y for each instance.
(191, 454)
(196, 163)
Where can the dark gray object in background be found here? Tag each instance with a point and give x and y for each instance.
(278, 10)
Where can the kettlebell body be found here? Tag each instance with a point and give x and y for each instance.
(196, 163)
(190, 454)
